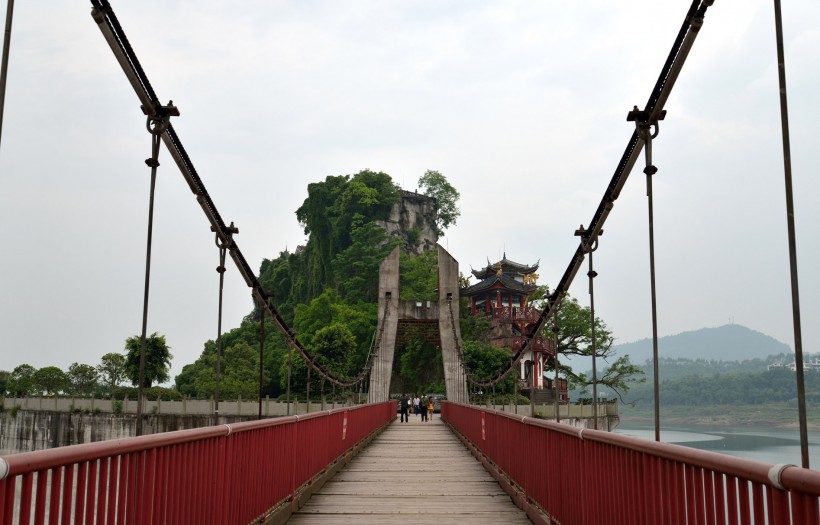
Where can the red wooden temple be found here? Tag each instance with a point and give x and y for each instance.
(502, 294)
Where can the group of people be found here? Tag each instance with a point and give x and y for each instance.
(422, 406)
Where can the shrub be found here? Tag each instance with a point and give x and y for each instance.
(118, 407)
(151, 394)
(158, 392)
(122, 392)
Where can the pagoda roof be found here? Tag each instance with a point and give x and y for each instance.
(505, 280)
(507, 267)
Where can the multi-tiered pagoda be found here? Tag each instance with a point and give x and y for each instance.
(502, 294)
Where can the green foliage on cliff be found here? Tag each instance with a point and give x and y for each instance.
(435, 185)
(419, 277)
(344, 247)
(326, 290)
(338, 215)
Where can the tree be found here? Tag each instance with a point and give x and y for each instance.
(157, 360)
(111, 370)
(332, 212)
(485, 361)
(575, 339)
(192, 381)
(334, 347)
(419, 277)
(21, 381)
(356, 269)
(239, 377)
(419, 366)
(5, 376)
(435, 185)
(50, 379)
(83, 378)
(329, 308)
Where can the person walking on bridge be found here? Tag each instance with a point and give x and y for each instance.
(404, 405)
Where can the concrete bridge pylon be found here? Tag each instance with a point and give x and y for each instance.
(442, 314)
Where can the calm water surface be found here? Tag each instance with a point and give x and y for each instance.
(766, 444)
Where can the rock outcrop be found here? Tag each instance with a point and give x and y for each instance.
(413, 220)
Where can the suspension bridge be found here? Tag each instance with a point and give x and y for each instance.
(357, 464)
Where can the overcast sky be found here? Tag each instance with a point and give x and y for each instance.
(521, 105)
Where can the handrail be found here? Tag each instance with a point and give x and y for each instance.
(624, 479)
(234, 473)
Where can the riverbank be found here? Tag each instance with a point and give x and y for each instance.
(777, 415)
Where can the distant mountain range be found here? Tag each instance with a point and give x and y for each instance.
(731, 342)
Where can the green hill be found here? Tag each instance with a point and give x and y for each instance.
(731, 342)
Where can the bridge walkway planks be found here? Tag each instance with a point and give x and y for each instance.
(416, 473)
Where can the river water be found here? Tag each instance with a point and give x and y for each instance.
(766, 444)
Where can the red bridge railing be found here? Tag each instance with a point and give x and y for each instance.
(223, 474)
(592, 477)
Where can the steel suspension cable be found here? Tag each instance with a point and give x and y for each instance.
(290, 368)
(532, 387)
(4, 62)
(592, 274)
(221, 270)
(261, 355)
(308, 389)
(644, 130)
(462, 364)
(555, 364)
(155, 126)
(787, 169)
(591, 244)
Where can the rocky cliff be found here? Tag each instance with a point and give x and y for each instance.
(413, 220)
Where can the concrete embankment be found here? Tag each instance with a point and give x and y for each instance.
(28, 430)
(28, 424)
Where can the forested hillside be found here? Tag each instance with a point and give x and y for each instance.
(672, 368)
(326, 290)
(729, 389)
(731, 342)
(726, 365)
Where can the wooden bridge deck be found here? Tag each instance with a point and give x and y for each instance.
(416, 473)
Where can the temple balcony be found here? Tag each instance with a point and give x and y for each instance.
(516, 314)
